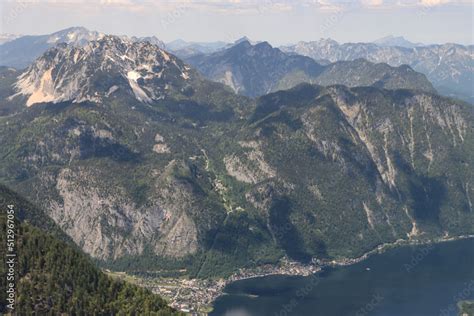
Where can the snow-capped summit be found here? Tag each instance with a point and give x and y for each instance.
(100, 69)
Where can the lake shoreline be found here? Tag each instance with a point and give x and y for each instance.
(318, 267)
(293, 268)
(207, 291)
(414, 266)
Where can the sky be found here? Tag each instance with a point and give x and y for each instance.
(279, 22)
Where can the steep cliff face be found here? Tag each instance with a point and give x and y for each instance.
(107, 223)
(361, 165)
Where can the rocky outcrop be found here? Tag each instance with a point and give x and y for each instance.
(107, 224)
(250, 166)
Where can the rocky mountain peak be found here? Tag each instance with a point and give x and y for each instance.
(99, 69)
(260, 50)
(242, 44)
(152, 39)
(265, 46)
(242, 40)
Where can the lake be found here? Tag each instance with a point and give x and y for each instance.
(411, 280)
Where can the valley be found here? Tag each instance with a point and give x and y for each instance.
(157, 177)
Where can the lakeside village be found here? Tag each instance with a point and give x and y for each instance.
(195, 296)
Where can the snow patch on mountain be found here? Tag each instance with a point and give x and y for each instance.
(141, 95)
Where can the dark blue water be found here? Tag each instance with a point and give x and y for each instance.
(407, 281)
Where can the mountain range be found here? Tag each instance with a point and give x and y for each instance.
(450, 67)
(255, 70)
(146, 164)
(185, 49)
(20, 51)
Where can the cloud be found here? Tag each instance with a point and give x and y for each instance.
(433, 2)
(372, 3)
(243, 6)
(328, 6)
(216, 6)
(345, 5)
